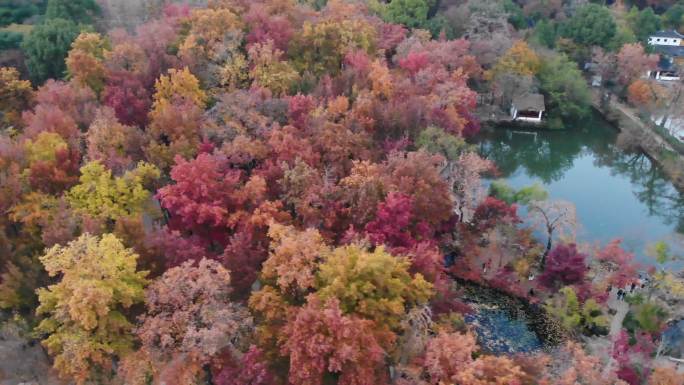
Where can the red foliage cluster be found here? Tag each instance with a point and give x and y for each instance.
(391, 224)
(251, 369)
(564, 266)
(492, 211)
(129, 98)
(207, 194)
(343, 344)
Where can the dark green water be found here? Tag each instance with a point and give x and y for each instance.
(617, 194)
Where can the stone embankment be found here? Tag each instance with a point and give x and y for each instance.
(643, 134)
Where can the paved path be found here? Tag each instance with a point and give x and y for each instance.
(621, 307)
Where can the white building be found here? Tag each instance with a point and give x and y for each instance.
(528, 108)
(667, 38)
(669, 44)
(662, 74)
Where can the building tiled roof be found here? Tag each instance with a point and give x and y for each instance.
(529, 102)
(669, 50)
(668, 34)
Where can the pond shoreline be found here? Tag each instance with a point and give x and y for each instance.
(650, 142)
(623, 120)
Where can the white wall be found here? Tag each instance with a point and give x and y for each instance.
(664, 41)
(514, 113)
(668, 78)
(532, 120)
(658, 75)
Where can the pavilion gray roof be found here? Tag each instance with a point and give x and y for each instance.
(529, 102)
(668, 34)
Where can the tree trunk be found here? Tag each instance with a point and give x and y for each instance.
(542, 263)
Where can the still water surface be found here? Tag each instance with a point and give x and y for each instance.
(617, 194)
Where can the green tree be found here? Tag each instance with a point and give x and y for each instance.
(78, 11)
(624, 35)
(515, 14)
(503, 191)
(46, 47)
(585, 318)
(532, 193)
(566, 308)
(411, 13)
(16, 11)
(439, 24)
(437, 141)
(593, 24)
(647, 316)
(644, 23)
(566, 91)
(10, 40)
(674, 16)
(593, 319)
(545, 33)
(84, 311)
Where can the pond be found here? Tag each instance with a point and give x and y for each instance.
(673, 340)
(617, 194)
(499, 333)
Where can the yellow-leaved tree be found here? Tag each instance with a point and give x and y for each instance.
(320, 47)
(85, 311)
(85, 61)
(373, 284)
(176, 118)
(44, 147)
(101, 195)
(15, 95)
(178, 87)
(520, 59)
(269, 70)
(212, 48)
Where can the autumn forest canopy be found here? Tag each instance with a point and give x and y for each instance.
(274, 192)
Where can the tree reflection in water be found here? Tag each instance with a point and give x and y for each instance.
(549, 155)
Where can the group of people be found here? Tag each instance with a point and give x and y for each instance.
(622, 292)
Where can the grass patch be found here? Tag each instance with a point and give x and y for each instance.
(23, 29)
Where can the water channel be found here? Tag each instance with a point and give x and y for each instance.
(617, 194)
